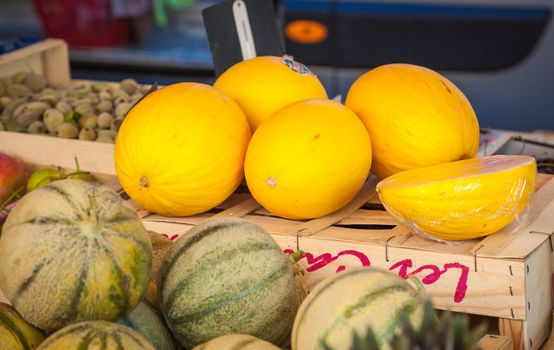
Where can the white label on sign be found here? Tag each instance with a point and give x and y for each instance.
(242, 24)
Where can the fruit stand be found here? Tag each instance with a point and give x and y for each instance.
(505, 276)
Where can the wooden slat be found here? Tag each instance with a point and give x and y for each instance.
(513, 329)
(48, 58)
(233, 200)
(494, 287)
(549, 343)
(247, 206)
(47, 150)
(54, 69)
(368, 217)
(316, 225)
(495, 342)
(538, 286)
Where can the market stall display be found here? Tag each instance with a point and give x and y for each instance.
(501, 276)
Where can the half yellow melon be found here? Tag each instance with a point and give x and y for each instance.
(461, 200)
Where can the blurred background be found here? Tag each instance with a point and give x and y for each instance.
(500, 53)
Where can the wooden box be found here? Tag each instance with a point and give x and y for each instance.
(48, 58)
(503, 276)
(506, 276)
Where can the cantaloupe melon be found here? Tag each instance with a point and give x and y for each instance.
(351, 302)
(73, 251)
(226, 276)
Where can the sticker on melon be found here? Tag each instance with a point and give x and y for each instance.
(296, 66)
(461, 200)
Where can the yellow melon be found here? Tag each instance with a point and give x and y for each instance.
(180, 151)
(265, 84)
(461, 200)
(308, 159)
(415, 118)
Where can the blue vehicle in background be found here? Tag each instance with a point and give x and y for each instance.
(500, 53)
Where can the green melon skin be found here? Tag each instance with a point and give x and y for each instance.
(236, 342)
(227, 276)
(15, 332)
(73, 251)
(96, 335)
(147, 321)
(353, 301)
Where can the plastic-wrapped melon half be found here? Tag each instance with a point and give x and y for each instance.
(461, 200)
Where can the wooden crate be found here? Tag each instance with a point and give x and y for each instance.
(48, 58)
(506, 275)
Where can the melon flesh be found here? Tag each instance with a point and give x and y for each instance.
(461, 200)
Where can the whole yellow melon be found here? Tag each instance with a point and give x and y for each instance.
(415, 118)
(265, 84)
(308, 159)
(180, 151)
(461, 200)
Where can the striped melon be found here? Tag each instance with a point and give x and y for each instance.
(73, 251)
(96, 335)
(353, 301)
(236, 342)
(15, 332)
(227, 276)
(148, 322)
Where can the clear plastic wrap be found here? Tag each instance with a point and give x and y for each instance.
(462, 200)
